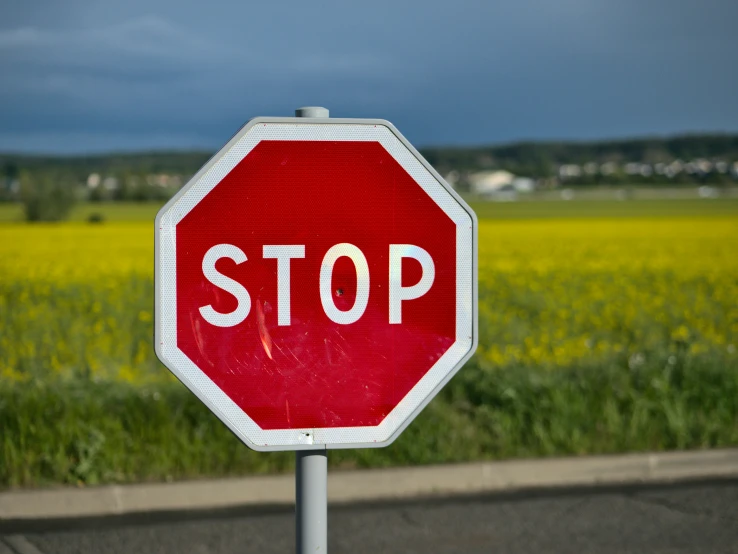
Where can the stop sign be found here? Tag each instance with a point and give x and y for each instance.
(316, 283)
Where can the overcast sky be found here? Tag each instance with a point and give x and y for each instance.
(85, 75)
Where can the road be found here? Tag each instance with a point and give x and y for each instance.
(699, 518)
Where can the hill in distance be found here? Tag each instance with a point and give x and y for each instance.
(538, 159)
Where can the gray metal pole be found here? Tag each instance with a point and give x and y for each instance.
(311, 466)
(311, 476)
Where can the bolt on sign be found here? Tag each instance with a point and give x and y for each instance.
(316, 283)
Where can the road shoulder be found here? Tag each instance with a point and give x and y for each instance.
(371, 485)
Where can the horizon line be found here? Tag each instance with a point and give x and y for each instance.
(468, 146)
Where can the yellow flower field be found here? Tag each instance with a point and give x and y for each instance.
(76, 300)
(582, 291)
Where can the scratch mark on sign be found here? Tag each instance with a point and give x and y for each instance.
(199, 338)
(266, 339)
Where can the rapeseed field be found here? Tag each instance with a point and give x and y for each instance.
(76, 300)
(557, 293)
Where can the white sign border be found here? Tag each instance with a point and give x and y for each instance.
(329, 129)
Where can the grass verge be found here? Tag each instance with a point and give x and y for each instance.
(111, 212)
(84, 432)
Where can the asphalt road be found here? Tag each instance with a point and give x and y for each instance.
(699, 518)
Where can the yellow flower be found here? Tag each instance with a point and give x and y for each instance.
(76, 299)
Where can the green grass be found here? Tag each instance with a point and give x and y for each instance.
(537, 209)
(533, 209)
(111, 211)
(82, 432)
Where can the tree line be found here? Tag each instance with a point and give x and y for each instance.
(542, 159)
(48, 186)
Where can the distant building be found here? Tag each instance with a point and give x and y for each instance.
(500, 184)
(110, 183)
(674, 168)
(703, 166)
(632, 168)
(452, 178)
(488, 182)
(93, 180)
(569, 170)
(524, 184)
(164, 180)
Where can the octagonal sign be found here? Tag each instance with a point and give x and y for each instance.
(316, 283)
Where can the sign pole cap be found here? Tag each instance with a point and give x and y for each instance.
(312, 111)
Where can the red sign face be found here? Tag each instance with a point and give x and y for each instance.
(313, 371)
(315, 284)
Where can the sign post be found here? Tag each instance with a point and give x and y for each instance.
(311, 468)
(316, 287)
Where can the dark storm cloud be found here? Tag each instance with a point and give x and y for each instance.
(82, 75)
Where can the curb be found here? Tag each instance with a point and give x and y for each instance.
(371, 485)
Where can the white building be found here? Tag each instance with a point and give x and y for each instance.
(524, 184)
(489, 182)
(110, 183)
(500, 184)
(569, 170)
(93, 180)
